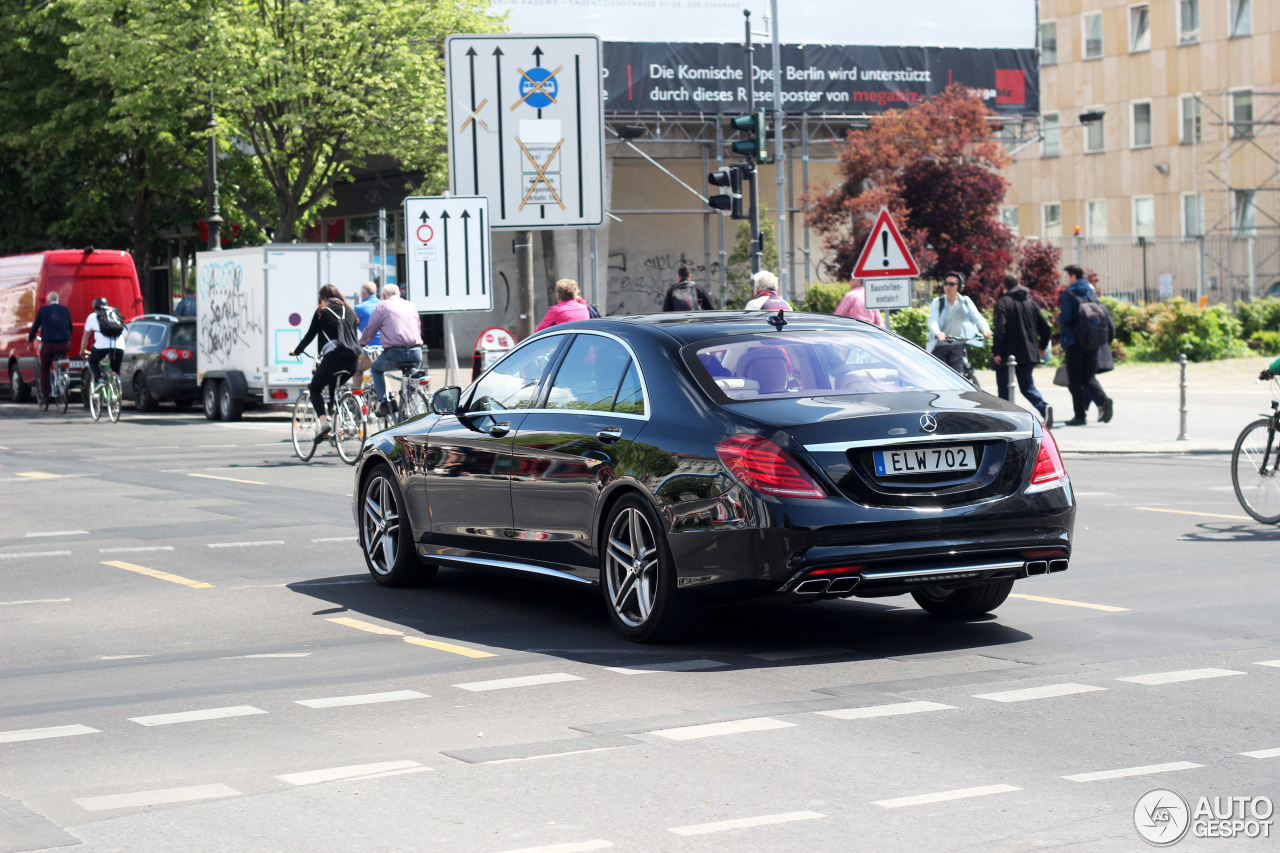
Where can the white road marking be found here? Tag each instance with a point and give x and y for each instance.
(743, 823)
(36, 554)
(673, 666)
(549, 755)
(796, 654)
(155, 798)
(1046, 692)
(1098, 494)
(1263, 753)
(336, 539)
(269, 654)
(244, 544)
(571, 847)
(41, 734)
(366, 699)
(885, 710)
(194, 716)
(57, 533)
(128, 550)
(1180, 675)
(120, 657)
(355, 771)
(523, 681)
(1268, 663)
(228, 479)
(732, 727)
(1132, 771)
(944, 796)
(36, 601)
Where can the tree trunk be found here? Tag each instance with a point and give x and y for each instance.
(142, 200)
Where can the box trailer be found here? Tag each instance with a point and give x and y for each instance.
(252, 308)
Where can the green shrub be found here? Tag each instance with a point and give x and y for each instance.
(1204, 334)
(823, 297)
(911, 323)
(1260, 315)
(1134, 321)
(1270, 341)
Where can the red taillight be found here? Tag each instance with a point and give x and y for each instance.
(171, 354)
(835, 570)
(357, 391)
(766, 468)
(1053, 553)
(279, 395)
(1049, 468)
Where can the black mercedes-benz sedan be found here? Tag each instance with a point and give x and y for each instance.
(677, 460)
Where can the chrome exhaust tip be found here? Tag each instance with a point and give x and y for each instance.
(811, 587)
(839, 586)
(1057, 565)
(1037, 567)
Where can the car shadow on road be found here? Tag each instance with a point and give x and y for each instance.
(1217, 531)
(477, 607)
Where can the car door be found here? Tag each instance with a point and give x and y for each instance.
(566, 450)
(135, 336)
(468, 469)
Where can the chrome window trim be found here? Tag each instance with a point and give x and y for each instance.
(840, 446)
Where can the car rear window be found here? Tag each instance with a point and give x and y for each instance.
(182, 335)
(817, 364)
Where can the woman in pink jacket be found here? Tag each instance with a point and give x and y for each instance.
(568, 309)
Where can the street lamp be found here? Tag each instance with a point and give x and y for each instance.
(214, 220)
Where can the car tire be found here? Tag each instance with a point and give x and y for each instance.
(638, 576)
(386, 538)
(19, 391)
(142, 398)
(210, 395)
(965, 603)
(230, 407)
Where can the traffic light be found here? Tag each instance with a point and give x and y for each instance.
(755, 146)
(732, 200)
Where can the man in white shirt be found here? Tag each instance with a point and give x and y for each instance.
(103, 346)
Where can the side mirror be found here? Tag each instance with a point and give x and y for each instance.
(445, 401)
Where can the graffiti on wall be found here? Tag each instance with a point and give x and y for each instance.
(228, 313)
(638, 283)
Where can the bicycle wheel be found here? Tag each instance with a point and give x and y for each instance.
(113, 398)
(415, 403)
(348, 428)
(1257, 488)
(96, 403)
(304, 427)
(61, 395)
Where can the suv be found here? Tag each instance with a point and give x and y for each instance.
(160, 361)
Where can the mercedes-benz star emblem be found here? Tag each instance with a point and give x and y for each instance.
(928, 423)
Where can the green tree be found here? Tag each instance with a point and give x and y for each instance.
(738, 267)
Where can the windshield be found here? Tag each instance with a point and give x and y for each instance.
(817, 364)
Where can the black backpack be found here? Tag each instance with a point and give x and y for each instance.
(684, 297)
(1094, 326)
(348, 336)
(110, 323)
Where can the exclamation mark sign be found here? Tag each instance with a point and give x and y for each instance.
(884, 241)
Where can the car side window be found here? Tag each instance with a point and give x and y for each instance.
(589, 374)
(134, 335)
(514, 382)
(154, 335)
(630, 393)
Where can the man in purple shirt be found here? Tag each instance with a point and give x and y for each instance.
(401, 330)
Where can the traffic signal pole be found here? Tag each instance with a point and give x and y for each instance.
(780, 155)
(755, 193)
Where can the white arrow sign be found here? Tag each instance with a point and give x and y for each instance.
(526, 127)
(448, 253)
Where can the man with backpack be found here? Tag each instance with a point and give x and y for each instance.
(1086, 326)
(106, 325)
(1020, 331)
(686, 295)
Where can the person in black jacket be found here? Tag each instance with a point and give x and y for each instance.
(55, 320)
(335, 324)
(686, 294)
(1021, 331)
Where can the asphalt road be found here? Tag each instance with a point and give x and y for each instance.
(193, 658)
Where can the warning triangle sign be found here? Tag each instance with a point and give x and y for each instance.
(886, 254)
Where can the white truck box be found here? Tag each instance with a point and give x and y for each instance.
(253, 306)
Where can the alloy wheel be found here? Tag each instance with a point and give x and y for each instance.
(631, 567)
(380, 525)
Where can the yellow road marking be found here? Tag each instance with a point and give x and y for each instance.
(1108, 608)
(366, 626)
(449, 647)
(38, 475)
(155, 573)
(228, 479)
(1188, 512)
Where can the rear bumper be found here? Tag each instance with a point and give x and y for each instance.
(166, 387)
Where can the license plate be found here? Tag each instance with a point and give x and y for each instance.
(75, 364)
(894, 463)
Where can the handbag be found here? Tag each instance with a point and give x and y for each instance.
(1060, 377)
(1106, 361)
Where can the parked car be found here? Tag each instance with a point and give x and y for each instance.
(682, 459)
(159, 363)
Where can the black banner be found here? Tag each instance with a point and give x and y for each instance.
(680, 78)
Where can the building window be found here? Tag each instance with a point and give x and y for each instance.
(1052, 216)
(1052, 136)
(1189, 113)
(1246, 213)
(1241, 18)
(1141, 114)
(1139, 28)
(1242, 114)
(1009, 217)
(1188, 21)
(1049, 43)
(1144, 216)
(1191, 215)
(1095, 222)
(1092, 33)
(1094, 136)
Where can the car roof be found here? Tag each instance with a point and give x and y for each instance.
(696, 326)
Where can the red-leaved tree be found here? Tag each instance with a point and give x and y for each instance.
(936, 167)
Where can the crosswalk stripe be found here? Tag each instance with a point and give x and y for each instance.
(155, 798)
(732, 727)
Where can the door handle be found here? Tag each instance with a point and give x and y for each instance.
(499, 429)
(609, 434)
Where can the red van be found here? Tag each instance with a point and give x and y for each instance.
(79, 277)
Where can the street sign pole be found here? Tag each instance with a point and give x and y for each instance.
(754, 173)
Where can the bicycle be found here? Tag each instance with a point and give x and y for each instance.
(347, 416)
(1255, 463)
(59, 386)
(966, 369)
(105, 396)
(409, 402)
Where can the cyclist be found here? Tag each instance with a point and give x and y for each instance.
(953, 315)
(396, 319)
(103, 346)
(335, 324)
(368, 301)
(53, 323)
(1268, 372)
